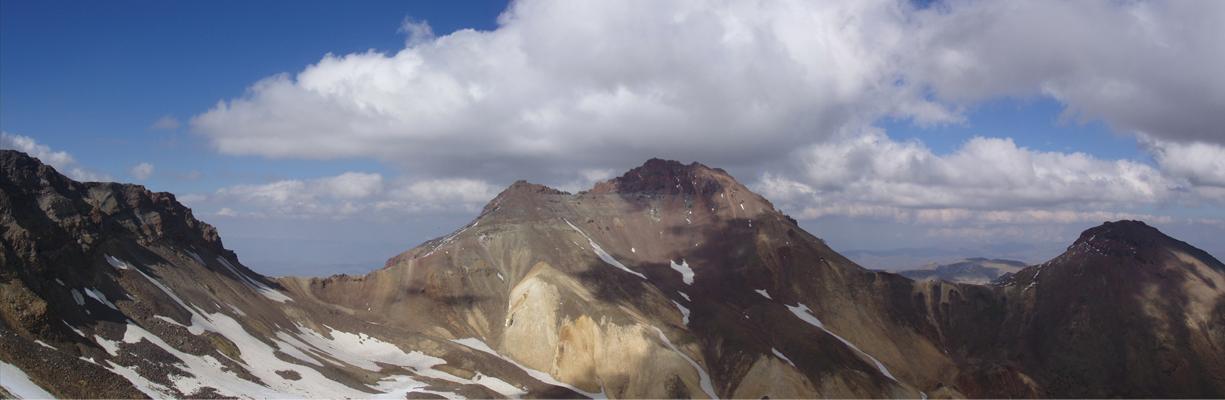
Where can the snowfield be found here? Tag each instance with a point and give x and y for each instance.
(305, 347)
(686, 272)
(17, 383)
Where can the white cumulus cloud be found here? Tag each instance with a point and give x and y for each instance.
(141, 171)
(348, 195)
(790, 91)
(986, 179)
(591, 84)
(1201, 163)
(350, 185)
(605, 84)
(1140, 66)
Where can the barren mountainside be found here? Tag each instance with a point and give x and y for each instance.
(672, 280)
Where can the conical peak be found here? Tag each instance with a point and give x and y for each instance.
(522, 186)
(1124, 238)
(658, 176)
(521, 190)
(1124, 231)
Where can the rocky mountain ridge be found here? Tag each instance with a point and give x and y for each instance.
(671, 280)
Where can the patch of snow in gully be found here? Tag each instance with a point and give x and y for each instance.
(260, 287)
(74, 329)
(805, 314)
(683, 268)
(780, 355)
(117, 263)
(599, 251)
(684, 312)
(101, 298)
(478, 345)
(16, 382)
(703, 377)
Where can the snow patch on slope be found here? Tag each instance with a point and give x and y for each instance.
(449, 238)
(805, 314)
(198, 321)
(101, 298)
(703, 378)
(16, 382)
(169, 320)
(111, 346)
(259, 358)
(684, 312)
(780, 355)
(683, 268)
(74, 329)
(478, 345)
(260, 287)
(363, 351)
(206, 371)
(599, 251)
(149, 388)
(117, 263)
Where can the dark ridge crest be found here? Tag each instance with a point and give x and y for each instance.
(658, 176)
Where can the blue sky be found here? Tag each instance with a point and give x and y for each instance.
(92, 77)
(900, 124)
(1035, 122)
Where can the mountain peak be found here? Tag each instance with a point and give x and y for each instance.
(528, 187)
(522, 191)
(659, 176)
(1124, 231)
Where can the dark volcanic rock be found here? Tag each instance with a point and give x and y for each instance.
(666, 177)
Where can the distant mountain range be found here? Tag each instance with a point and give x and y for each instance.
(900, 259)
(975, 270)
(670, 281)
